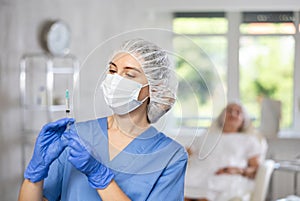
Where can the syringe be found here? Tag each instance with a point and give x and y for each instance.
(68, 110)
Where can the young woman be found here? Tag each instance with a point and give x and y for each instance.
(120, 157)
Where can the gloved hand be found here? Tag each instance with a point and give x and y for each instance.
(99, 176)
(49, 145)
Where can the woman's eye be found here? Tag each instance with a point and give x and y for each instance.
(129, 75)
(112, 71)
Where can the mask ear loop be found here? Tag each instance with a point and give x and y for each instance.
(142, 101)
(147, 84)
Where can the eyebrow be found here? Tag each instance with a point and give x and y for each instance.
(111, 63)
(126, 67)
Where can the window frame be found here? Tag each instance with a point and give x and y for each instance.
(233, 36)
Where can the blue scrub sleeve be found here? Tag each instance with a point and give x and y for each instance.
(170, 185)
(53, 183)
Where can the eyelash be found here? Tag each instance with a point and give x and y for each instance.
(112, 71)
(128, 75)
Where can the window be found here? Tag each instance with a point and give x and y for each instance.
(266, 55)
(266, 67)
(201, 66)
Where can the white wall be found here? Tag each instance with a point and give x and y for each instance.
(217, 5)
(91, 22)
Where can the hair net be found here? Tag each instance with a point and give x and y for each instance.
(161, 77)
(246, 127)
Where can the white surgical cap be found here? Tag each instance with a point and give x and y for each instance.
(161, 77)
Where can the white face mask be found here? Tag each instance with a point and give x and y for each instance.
(121, 94)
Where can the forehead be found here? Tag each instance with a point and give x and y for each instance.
(234, 107)
(126, 60)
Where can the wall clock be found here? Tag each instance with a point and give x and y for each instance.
(57, 38)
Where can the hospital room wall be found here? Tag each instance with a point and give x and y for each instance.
(92, 22)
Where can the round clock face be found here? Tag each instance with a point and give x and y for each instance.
(58, 38)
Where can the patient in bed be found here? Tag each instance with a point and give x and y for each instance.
(224, 160)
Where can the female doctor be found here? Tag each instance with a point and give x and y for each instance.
(120, 157)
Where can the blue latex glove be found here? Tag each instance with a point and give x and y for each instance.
(48, 146)
(99, 176)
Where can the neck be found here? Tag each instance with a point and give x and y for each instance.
(131, 124)
(229, 129)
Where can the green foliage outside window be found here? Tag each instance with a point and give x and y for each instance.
(266, 70)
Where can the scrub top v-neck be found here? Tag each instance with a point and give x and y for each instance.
(150, 167)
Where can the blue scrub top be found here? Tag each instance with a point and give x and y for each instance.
(151, 167)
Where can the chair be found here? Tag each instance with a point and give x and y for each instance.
(270, 117)
(262, 180)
